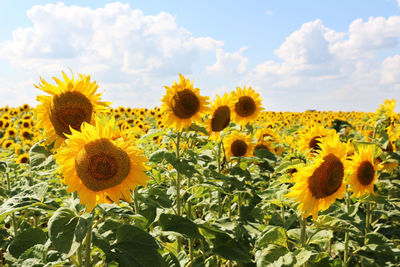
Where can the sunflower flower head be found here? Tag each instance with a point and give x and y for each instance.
(238, 145)
(69, 103)
(100, 164)
(320, 183)
(246, 105)
(182, 105)
(220, 116)
(361, 174)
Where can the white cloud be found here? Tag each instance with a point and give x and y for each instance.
(324, 69)
(118, 45)
(398, 2)
(391, 70)
(271, 13)
(229, 63)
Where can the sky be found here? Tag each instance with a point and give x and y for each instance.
(298, 55)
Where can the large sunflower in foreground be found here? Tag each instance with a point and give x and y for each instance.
(220, 116)
(246, 105)
(238, 145)
(183, 104)
(100, 165)
(319, 184)
(71, 102)
(362, 171)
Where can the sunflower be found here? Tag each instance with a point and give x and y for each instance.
(362, 171)
(70, 103)
(24, 158)
(246, 105)
(266, 135)
(220, 116)
(319, 184)
(26, 124)
(309, 139)
(25, 106)
(267, 138)
(238, 145)
(183, 104)
(100, 165)
(8, 144)
(26, 134)
(11, 132)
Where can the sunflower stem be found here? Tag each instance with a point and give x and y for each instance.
(303, 225)
(239, 204)
(135, 200)
(14, 219)
(191, 250)
(191, 241)
(79, 255)
(367, 218)
(178, 186)
(346, 235)
(220, 207)
(283, 214)
(88, 243)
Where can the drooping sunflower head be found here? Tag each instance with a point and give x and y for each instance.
(183, 104)
(71, 103)
(100, 164)
(8, 144)
(246, 105)
(310, 139)
(361, 174)
(220, 116)
(320, 183)
(238, 145)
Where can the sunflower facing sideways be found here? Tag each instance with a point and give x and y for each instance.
(362, 171)
(309, 139)
(183, 104)
(220, 116)
(319, 184)
(71, 102)
(246, 105)
(238, 145)
(100, 164)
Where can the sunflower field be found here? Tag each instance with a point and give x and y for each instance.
(195, 182)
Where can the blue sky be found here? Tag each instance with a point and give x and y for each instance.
(327, 55)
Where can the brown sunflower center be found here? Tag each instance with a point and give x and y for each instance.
(101, 165)
(238, 148)
(221, 119)
(245, 106)
(365, 173)
(185, 104)
(70, 109)
(314, 143)
(26, 135)
(24, 160)
(327, 178)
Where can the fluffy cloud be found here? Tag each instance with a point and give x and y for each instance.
(391, 70)
(120, 46)
(229, 63)
(324, 69)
